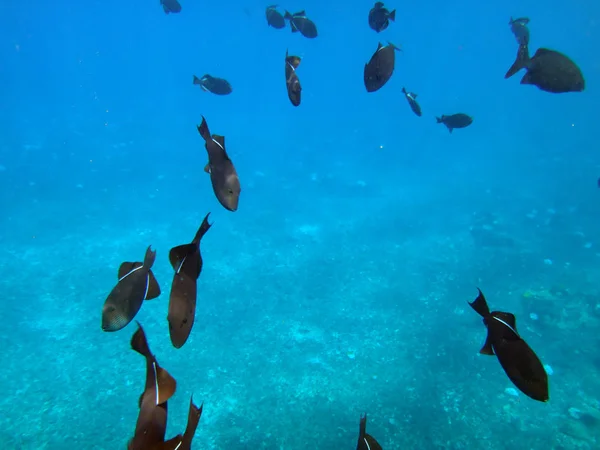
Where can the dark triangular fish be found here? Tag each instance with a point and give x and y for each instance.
(365, 440)
(518, 360)
(380, 67)
(299, 22)
(136, 284)
(520, 30)
(214, 85)
(292, 82)
(549, 70)
(274, 18)
(160, 386)
(186, 260)
(379, 17)
(411, 97)
(223, 176)
(170, 6)
(453, 121)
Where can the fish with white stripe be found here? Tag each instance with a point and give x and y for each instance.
(136, 284)
(518, 360)
(365, 440)
(159, 388)
(186, 261)
(223, 176)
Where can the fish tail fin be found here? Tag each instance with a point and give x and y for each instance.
(149, 258)
(197, 80)
(404, 90)
(165, 385)
(363, 426)
(392, 16)
(203, 130)
(439, 119)
(139, 343)
(194, 415)
(287, 16)
(204, 227)
(480, 305)
(165, 9)
(520, 62)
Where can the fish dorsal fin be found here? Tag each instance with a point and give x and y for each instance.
(509, 331)
(379, 47)
(153, 287)
(219, 140)
(127, 268)
(487, 348)
(371, 442)
(413, 95)
(165, 385)
(543, 51)
(379, 5)
(300, 14)
(178, 256)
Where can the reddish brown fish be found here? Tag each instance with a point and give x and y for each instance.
(186, 260)
(160, 387)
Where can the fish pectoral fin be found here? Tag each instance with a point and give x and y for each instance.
(141, 400)
(165, 9)
(153, 287)
(126, 268)
(207, 168)
(487, 347)
(166, 385)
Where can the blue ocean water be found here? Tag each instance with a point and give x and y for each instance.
(340, 286)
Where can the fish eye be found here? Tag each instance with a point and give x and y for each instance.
(230, 191)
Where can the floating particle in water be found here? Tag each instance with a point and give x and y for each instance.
(511, 391)
(587, 245)
(548, 369)
(2, 168)
(533, 316)
(351, 354)
(548, 261)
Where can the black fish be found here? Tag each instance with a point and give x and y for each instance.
(186, 260)
(365, 440)
(520, 30)
(549, 70)
(520, 363)
(170, 6)
(292, 82)
(136, 284)
(275, 18)
(223, 176)
(160, 387)
(411, 97)
(184, 442)
(379, 17)
(299, 22)
(214, 85)
(459, 120)
(380, 67)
